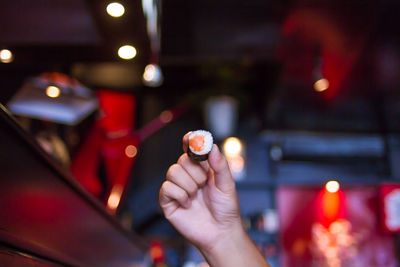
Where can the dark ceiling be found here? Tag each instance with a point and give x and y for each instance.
(266, 53)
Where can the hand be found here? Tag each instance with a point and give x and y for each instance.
(200, 199)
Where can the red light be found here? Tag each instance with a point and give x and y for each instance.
(330, 205)
(156, 252)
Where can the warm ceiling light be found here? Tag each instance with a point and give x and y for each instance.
(332, 186)
(115, 9)
(127, 52)
(152, 75)
(232, 146)
(53, 91)
(321, 85)
(236, 163)
(6, 56)
(149, 73)
(130, 151)
(115, 197)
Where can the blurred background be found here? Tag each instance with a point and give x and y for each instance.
(303, 96)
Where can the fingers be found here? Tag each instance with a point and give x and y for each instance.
(196, 171)
(178, 175)
(182, 181)
(185, 141)
(222, 174)
(170, 192)
(185, 145)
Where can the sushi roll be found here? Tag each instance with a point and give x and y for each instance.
(199, 145)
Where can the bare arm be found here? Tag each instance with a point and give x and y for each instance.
(200, 200)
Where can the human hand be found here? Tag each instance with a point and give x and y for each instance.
(200, 200)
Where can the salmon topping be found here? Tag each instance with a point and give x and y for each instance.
(197, 143)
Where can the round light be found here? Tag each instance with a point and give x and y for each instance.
(6, 56)
(236, 163)
(149, 73)
(130, 151)
(53, 91)
(166, 116)
(232, 146)
(321, 85)
(152, 75)
(115, 9)
(127, 52)
(332, 186)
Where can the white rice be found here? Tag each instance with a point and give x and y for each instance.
(208, 141)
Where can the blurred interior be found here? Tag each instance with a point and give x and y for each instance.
(303, 97)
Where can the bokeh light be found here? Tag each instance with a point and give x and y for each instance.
(232, 146)
(53, 91)
(6, 56)
(332, 186)
(236, 163)
(152, 75)
(115, 9)
(166, 116)
(321, 85)
(115, 197)
(130, 151)
(127, 52)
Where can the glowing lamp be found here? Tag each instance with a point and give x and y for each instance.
(321, 85)
(234, 151)
(130, 151)
(6, 56)
(115, 9)
(53, 91)
(127, 52)
(232, 146)
(332, 186)
(152, 75)
(115, 197)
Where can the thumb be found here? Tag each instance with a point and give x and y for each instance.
(222, 174)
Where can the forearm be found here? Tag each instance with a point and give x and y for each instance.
(234, 250)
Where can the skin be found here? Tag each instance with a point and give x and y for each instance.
(200, 200)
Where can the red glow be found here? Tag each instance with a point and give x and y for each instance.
(331, 206)
(157, 251)
(118, 111)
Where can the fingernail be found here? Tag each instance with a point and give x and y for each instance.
(218, 153)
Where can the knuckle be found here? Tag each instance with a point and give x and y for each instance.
(183, 159)
(202, 180)
(182, 196)
(173, 171)
(164, 188)
(192, 191)
(191, 188)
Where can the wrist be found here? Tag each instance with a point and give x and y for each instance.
(234, 249)
(225, 245)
